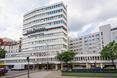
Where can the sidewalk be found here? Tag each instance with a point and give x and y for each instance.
(54, 74)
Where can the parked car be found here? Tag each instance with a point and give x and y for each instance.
(109, 67)
(3, 71)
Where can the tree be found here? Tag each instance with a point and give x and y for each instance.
(110, 52)
(66, 56)
(2, 53)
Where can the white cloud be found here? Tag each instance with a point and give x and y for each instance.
(11, 16)
(84, 16)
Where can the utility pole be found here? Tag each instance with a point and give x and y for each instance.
(28, 65)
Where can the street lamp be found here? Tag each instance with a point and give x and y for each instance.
(28, 65)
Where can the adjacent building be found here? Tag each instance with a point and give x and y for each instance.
(11, 47)
(88, 47)
(88, 44)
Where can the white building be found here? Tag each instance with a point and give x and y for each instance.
(89, 46)
(45, 33)
(11, 47)
(114, 34)
(45, 30)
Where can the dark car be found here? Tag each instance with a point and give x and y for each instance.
(3, 71)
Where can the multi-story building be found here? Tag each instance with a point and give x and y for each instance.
(88, 47)
(114, 34)
(87, 44)
(45, 33)
(11, 47)
(45, 29)
(76, 44)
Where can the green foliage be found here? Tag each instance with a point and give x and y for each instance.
(2, 53)
(110, 51)
(66, 56)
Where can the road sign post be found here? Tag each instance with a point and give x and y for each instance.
(28, 66)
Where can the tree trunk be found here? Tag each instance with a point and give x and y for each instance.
(67, 65)
(61, 66)
(113, 64)
(71, 66)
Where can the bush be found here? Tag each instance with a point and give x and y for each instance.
(93, 71)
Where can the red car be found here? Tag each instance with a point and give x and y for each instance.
(3, 71)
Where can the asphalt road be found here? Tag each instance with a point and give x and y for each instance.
(13, 73)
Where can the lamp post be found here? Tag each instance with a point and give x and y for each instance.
(28, 65)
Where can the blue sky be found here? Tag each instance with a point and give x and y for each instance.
(84, 16)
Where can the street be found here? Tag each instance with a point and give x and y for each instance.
(40, 74)
(15, 73)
